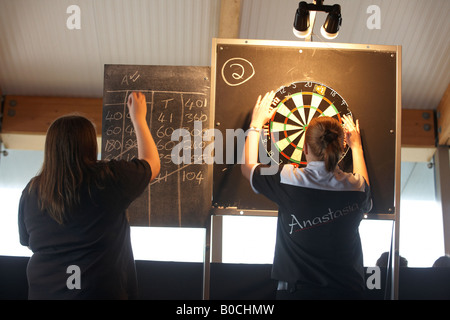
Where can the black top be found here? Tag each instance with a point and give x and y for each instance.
(319, 213)
(95, 239)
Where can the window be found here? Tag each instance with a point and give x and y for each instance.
(163, 244)
(252, 239)
(247, 239)
(16, 169)
(168, 244)
(421, 225)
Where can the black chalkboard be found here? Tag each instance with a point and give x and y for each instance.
(365, 76)
(177, 98)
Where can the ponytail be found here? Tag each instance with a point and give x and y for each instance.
(325, 138)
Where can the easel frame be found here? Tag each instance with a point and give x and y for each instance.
(392, 216)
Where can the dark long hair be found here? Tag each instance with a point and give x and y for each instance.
(69, 159)
(325, 138)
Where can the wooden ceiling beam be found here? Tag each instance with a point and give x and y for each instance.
(230, 19)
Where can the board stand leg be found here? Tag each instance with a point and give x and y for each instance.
(392, 268)
(396, 261)
(207, 260)
(393, 264)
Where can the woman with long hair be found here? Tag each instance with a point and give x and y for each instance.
(72, 214)
(318, 251)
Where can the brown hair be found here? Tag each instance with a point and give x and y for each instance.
(69, 159)
(325, 139)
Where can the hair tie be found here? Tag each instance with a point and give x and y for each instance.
(329, 136)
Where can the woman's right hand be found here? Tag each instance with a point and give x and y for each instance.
(137, 106)
(147, 149)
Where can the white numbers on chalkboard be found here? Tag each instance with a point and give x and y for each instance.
(165, 158)
(161, 178)
(120, 136)
(113, 130)
(113, 116)
(199, 103)
(165, 145)
(112, 145)
(164, 131)
(196, 176)
(186, 176)
(198, 116)
(130, 143)
(162, 117)
(129, 129)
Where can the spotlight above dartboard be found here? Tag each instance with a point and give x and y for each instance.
(304, 22)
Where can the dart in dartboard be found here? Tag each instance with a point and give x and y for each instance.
(296, 105)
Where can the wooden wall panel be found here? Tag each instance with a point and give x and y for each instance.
(27, 118)
(443, 119)
(418, 128)
(29, 114)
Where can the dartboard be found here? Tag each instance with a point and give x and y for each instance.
(296, 105)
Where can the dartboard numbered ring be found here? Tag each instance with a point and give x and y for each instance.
(296, 105)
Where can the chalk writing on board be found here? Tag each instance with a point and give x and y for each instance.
(132, 78)
(237, 71)
(167, 111)
(177, 101)
(164, 120)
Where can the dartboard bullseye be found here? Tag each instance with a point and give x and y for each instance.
(296, 105)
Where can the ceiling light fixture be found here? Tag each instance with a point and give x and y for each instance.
(303, 24)
(302, 27)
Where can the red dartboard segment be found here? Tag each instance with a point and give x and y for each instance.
(296, 105)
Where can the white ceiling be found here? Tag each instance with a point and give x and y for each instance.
(39, 55)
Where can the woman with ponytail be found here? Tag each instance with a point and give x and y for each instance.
(318, 252)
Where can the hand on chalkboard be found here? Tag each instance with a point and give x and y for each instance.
(262, 111)
(137, 106)
(147, 149)
(353, 138)
(352, 133)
